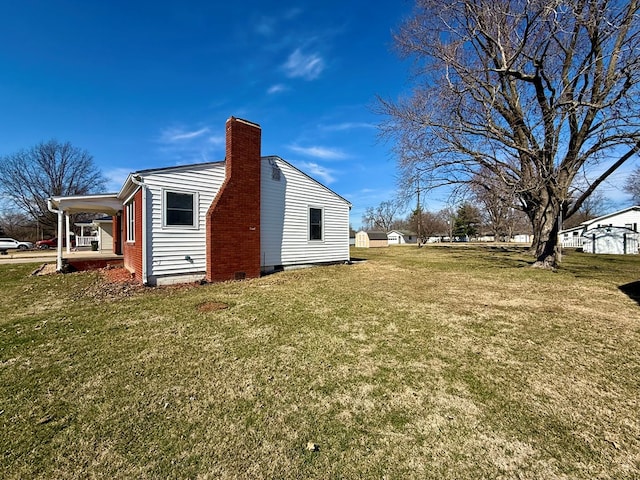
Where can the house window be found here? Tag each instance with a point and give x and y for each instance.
(131, 222)
(179, 209)
(315, 224)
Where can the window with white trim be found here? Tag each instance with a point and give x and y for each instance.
(315, 223)
(180, 209)
(131, 221)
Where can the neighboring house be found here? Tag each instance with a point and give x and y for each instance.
(87, 234)
(401, 237)
(615, 233)
(486, 237)
(371, 239)
(226, 220)
(104, 235)
(522, 238)
(572, 237)
(437, 239)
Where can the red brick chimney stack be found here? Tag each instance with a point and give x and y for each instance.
(233, 219)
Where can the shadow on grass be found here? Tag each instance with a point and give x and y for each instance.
(632, 290)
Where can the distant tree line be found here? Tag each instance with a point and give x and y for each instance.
(465, 221)
(482, 214)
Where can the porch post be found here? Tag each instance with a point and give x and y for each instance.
(67, 232)
(59, 248)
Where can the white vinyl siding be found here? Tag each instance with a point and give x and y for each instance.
(620, 219)
(174, 249)
(284, 229)
(284, 219)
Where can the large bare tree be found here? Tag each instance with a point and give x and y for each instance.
(632, 185)
(532, 93)
(382, 217)
(29, 177)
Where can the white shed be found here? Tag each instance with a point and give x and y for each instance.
(611, 240)
(610, 232)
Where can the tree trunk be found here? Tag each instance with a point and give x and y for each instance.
(545, 234)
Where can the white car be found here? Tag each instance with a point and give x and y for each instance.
(6, 243)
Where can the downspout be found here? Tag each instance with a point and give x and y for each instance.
(59, 247)
(136, 181)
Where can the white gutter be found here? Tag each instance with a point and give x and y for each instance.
(145, 277)
(59, 247)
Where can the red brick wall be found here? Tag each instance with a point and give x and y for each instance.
(117, 234)
(233, 219)
(132, 251)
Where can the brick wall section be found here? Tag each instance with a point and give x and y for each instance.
(132, 251)
(117, 234)
(233, 219)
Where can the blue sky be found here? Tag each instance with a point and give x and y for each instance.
(150, 84)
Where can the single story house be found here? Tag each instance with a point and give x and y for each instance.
(401, 237)
(485, 237)
(371, 239)
(522, 238)
(232, 219)
(614, 233)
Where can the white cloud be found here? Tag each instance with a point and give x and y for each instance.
(338, 127)
(270, 25)
(185, 145)
(171, 135)
(320, 152)
(115, 178)
(317, 171)
(216, 140)
(277, 88)
(301, 65)
(266, 26)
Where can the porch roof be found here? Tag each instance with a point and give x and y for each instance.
(106, 203)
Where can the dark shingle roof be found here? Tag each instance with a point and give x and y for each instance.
(377, 235)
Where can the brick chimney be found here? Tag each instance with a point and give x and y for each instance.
(233, 219)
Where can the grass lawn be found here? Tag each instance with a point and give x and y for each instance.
(440, 362)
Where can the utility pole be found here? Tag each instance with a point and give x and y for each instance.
(419, 210)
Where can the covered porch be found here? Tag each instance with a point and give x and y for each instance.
(107, 204)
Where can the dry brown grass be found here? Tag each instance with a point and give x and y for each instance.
(431, 363)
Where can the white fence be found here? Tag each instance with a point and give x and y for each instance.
(85, 241)
(572, 241)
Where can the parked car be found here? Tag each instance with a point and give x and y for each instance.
(6, 243)
(47, 243)
(52, 243)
